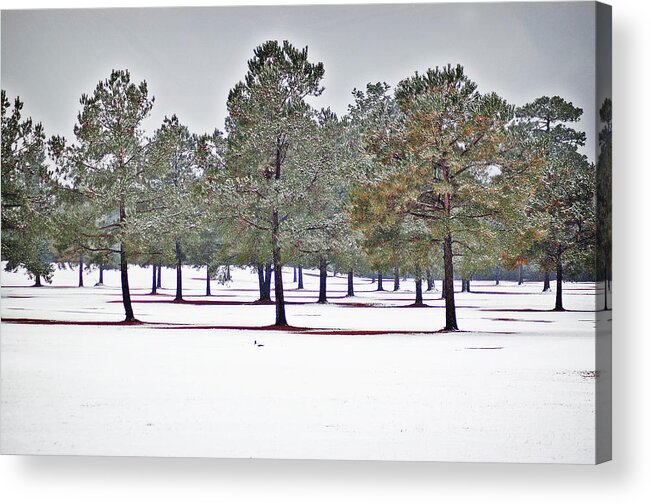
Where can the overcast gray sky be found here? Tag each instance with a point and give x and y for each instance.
(191, 57)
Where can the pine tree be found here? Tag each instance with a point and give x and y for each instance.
(546, 120)
(321, 229)
(173, 156)
(266, 181)
(244, 245)
(106, 167)
(561, 209)
(455, 164)
(564, 208)
(215, 246)
(203, 253)
(374, 118)
(28, 194)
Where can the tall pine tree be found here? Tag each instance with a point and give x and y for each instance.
(455, 165)
(266, 180)
(562, 207)
(106, 167)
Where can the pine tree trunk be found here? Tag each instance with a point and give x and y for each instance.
(295, 274)
(281, 319)
(559, 282)
(396, 279)
(448, 264)
(468, 285)
(124, 272)
(159, 281)
(521, 275)
(419, 291)
(300, 277)
(268, 269)
(228, 273)
(124, 281)
(430, 280)
(179, 275)
(450, 310)
(351, 288)
(497, 275)
(546, 284)
(37, 281)
(323, 278)
(81, 271)
(208, 280)
(101, 275)
(264, 281)
(463, 284)
(379, 281)
(153, 278)
(261, 284)
(260, 269)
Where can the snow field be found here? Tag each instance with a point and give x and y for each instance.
(516, 387)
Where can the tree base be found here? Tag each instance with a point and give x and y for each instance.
(280, 327)
(263, 302)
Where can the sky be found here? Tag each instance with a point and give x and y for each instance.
(192, 57)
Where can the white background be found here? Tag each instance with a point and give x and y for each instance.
(626, 479)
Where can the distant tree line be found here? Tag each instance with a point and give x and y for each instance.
(430, 180)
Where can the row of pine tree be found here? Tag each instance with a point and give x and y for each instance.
(430, 179)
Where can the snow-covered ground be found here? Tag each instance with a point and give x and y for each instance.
(517, 385)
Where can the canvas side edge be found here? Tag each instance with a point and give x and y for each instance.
(603, 317)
